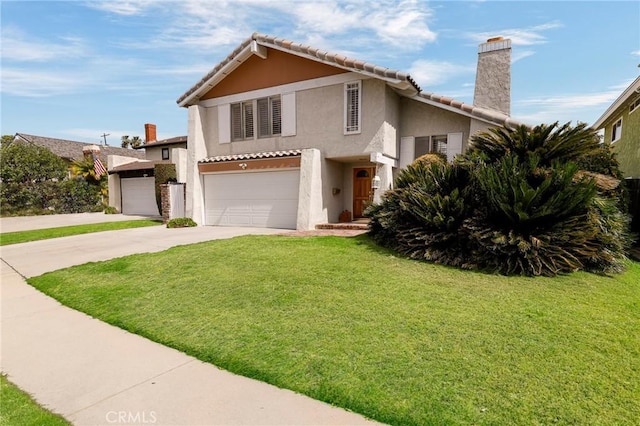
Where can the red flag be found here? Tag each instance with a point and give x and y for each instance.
(98, 167)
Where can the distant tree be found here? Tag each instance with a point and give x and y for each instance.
(27, 163)
(86, 169)
(29, 178)
(133, 142)
(7, 139)
(136, 142)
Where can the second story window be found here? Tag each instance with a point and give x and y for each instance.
(616, 130)
(352, 110)
(165, 153)
(269, 118)
(242, 121)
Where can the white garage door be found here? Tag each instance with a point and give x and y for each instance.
(138, 196)
(260, 199)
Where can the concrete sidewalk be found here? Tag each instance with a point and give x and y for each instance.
(93, 373)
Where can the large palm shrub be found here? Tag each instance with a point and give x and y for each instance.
(530, 201)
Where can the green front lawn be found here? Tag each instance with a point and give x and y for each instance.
(399, 341)
(17, 408)
(66, 231)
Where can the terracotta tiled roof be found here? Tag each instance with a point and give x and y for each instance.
(163, 142)
(191, 96)
(252, 156)
(72, 150)
(137, 165)
(486, 114)
(396, 78)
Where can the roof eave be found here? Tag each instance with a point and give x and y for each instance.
(628, 92)
(211, 82)
(491, 117)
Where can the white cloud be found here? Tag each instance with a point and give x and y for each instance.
(636, 53)
(33, 83)
(521, 54)
(519, 36)
(16, 46)
(564, 108)
(216, 25)
(431, 73)
(122, 7)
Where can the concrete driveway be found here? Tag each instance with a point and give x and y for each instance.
(25, 223)
(36, 258)
(93, 373)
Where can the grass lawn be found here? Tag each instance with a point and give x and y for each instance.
(399, 341)
(66, 231)
(17, 408)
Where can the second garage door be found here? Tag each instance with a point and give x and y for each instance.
(139, 196)
(260, 199)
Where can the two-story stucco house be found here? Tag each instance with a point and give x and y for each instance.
(285, 135)
(621, 124)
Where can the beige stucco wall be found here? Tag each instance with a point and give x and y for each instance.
(155, 153)
(319, 125)
(420, 119)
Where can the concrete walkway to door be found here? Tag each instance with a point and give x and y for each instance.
(94, 373)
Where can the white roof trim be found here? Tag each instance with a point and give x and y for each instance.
(224, 71)
(628, 92)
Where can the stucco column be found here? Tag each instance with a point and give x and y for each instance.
(310, 211)
(179, 156)
(385, 173)
(196, 150)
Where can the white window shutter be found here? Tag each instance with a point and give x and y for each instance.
(407, 151)
(224, 123)
(289, 114)
(454, 145)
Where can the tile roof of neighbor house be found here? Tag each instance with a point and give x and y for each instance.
(72, 150)
(634, 88)
(253, 156)
(137, 165)
(163, 142)
(398, 79)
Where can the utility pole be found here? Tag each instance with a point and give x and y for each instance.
(104, 135)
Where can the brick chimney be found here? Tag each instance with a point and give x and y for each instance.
(149, 133)
(90, 150)
(493, 76)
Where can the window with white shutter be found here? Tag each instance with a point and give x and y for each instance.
(247, 108)
(236, 122)
(269, 117)
(263, 116)
(352, 110)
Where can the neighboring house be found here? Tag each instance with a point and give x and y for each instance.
(160, 150)
(132, 182)
(621, 124)
(71, 151)
(285, 135)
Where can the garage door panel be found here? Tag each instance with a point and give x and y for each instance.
(139, 196)
(264, 199)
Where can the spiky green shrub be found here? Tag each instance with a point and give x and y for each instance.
(519, 201)
(422, 215)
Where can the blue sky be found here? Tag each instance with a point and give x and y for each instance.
(78, 69)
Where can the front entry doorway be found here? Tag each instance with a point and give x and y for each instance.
(362, 192)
